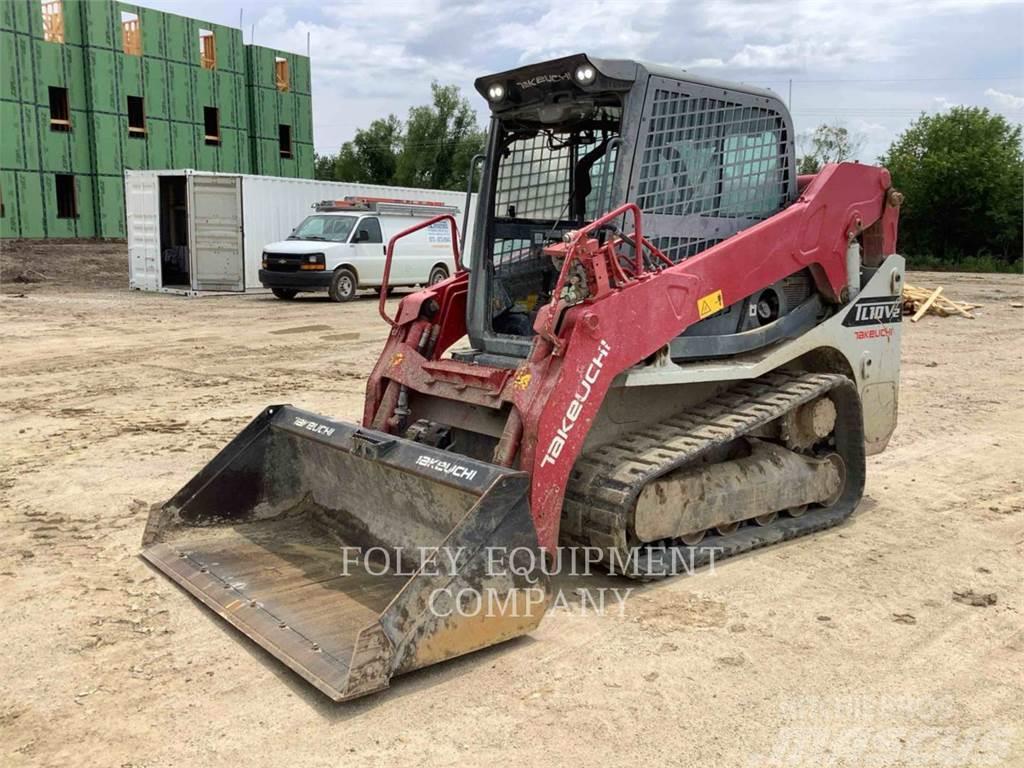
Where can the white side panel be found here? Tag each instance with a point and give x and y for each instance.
(216, 233)
(142, 204)
(872, 351)
(418, 253)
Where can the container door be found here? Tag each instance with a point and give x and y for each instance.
(142, 203)
(217, 250)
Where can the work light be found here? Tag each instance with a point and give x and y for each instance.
(585, 74)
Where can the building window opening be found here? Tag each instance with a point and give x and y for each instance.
(60, 112)
(131, 33)
(284, 140)
(67, 203)
(207, 49)
(281, 73)
(211, 124)
(53, 22)
(136, 116)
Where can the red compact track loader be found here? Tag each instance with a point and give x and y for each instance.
(677, 350)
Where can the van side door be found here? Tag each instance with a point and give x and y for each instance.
(368, 244)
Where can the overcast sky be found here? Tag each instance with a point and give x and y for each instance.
(872, 66)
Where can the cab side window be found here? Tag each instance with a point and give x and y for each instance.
(372, 229)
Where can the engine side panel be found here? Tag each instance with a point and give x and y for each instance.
(861, 341)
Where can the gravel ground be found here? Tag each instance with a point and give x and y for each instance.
(859, 646)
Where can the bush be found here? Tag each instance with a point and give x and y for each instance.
(960, 173)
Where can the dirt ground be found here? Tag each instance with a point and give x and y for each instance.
(28, 265)
(847, 648)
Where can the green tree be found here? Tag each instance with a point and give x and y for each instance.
(432, 149)
(961, 174)
(440, 139)
(828, 144)
(323, 166)
(370, 157)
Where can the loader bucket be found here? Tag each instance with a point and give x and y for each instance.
(352, 555)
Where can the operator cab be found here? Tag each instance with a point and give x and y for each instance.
(574, 138)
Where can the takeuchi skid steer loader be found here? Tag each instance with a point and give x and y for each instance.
(678, 350)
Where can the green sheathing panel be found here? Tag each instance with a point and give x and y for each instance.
(31, 151)
(23, 204)
(99, 77)
(270, 108)
(10, 221)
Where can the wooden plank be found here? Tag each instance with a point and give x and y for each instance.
(957, 308)
(921, 301)
(924, 307)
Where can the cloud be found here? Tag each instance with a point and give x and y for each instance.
(571, 26)
(794, 56)
(873, 66)
(821, 37)
(1005, 100)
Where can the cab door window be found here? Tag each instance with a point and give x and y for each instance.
(371, 228)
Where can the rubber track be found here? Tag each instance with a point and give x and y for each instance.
(605, 483)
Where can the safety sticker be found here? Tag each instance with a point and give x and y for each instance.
(708, 305)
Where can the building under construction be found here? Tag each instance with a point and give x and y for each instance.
(92, 87)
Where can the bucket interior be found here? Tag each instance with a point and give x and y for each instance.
(303, 539)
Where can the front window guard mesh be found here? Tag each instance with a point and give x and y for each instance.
(534, 177)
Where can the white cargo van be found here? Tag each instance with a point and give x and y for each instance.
(341, 248)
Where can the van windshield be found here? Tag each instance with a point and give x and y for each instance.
(333, 228)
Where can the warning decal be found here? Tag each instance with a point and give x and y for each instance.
(708, 305)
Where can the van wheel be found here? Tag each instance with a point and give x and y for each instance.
(437, 274)
(284, 293)
(343, 285)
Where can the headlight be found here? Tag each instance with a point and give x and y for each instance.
(496, 92)
(585, 74)
(314, 262)
(264, 262)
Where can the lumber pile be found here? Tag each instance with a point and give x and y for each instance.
(919, 302)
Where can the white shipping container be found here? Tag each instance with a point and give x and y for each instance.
(195, 231)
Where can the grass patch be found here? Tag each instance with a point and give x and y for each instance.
(982, 263)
